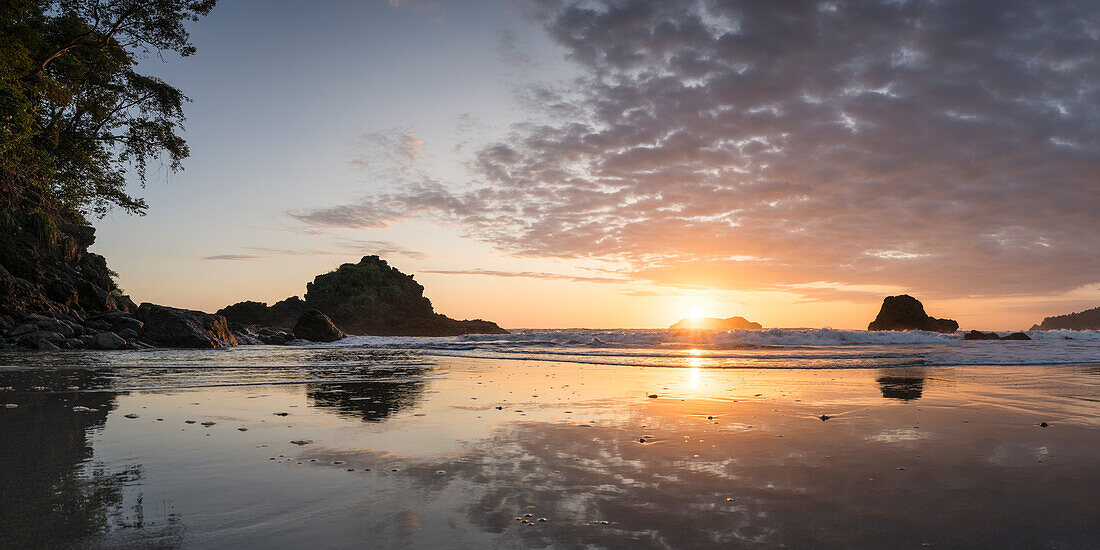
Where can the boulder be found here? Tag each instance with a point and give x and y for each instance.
(124, 322)
(183, 328)
(41, 340)
(979, 335)
(1017, 336)
(907, 313)
(129, 334)
(6, 322)
(108, 341)
(317, 327)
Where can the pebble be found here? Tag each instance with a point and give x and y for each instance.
(653, 396)
(188, 421)
(824, 417)
(500, 408)
(80, 408)
(242, 429)
(281, 413)
(337, 461)
(302, 441)
(641, 440)
(209, 423)
(1043, 424)
(131, 415)
(10, 405)
(160, 420)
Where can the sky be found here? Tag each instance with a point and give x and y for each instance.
(623, 163)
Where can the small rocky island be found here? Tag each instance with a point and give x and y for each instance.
(712, 323)
(1082, 320)
(367, 298)
(905, 312)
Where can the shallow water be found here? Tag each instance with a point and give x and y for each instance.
(410, 450)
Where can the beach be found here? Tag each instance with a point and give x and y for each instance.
(337, 447)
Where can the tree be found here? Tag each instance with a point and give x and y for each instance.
(77, 118)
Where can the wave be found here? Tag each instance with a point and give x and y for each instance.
(767, 348)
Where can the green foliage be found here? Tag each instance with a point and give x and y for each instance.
(76, 119)
(9, 225)
(371, 281)
(42, 225)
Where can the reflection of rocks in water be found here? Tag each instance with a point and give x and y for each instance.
(53, 494)
(370, 400)
(905, 385)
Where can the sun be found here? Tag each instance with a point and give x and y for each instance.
(695, 312)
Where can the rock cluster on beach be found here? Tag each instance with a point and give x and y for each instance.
(905, 312)
(711, 323)
(369, 297)
(979, 335)
(1082, 320)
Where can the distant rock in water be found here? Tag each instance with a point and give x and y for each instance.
(907, 313)
(369, 297)
(979, 335)
(712, 323)
(317, 327)
(1082, 320)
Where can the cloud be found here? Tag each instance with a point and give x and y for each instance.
(949, 148)
(396, 149)
(427, 7)
(512, 51)
(343, 248)
(232, 257)
(528, 275)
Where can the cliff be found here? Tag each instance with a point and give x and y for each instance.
(1082, 320)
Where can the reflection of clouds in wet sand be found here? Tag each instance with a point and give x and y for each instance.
(766, 473)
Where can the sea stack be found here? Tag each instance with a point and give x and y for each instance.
(907, 313)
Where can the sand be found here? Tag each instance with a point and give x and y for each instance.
(469, 453)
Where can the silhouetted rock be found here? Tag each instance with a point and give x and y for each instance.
(317, 327)
(369, 297)
(183, 328)
(907, 313)
(979, 335)
(1082, 320)
(711, 323)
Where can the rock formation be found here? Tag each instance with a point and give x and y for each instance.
(183, 328)
(369, 297)
(1082, 320)
(711, 323)
(317, 327)
(907, 313)
(979, 335)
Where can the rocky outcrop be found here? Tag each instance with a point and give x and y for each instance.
(283, 314)
(907, 313)
(979, 335)
(317, 327)
(1082, 320)
(711, 323)
(369, 297)
(183, 328)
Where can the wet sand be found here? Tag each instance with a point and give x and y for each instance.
(471, 453)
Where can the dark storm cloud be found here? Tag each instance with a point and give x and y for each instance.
(952, 147)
